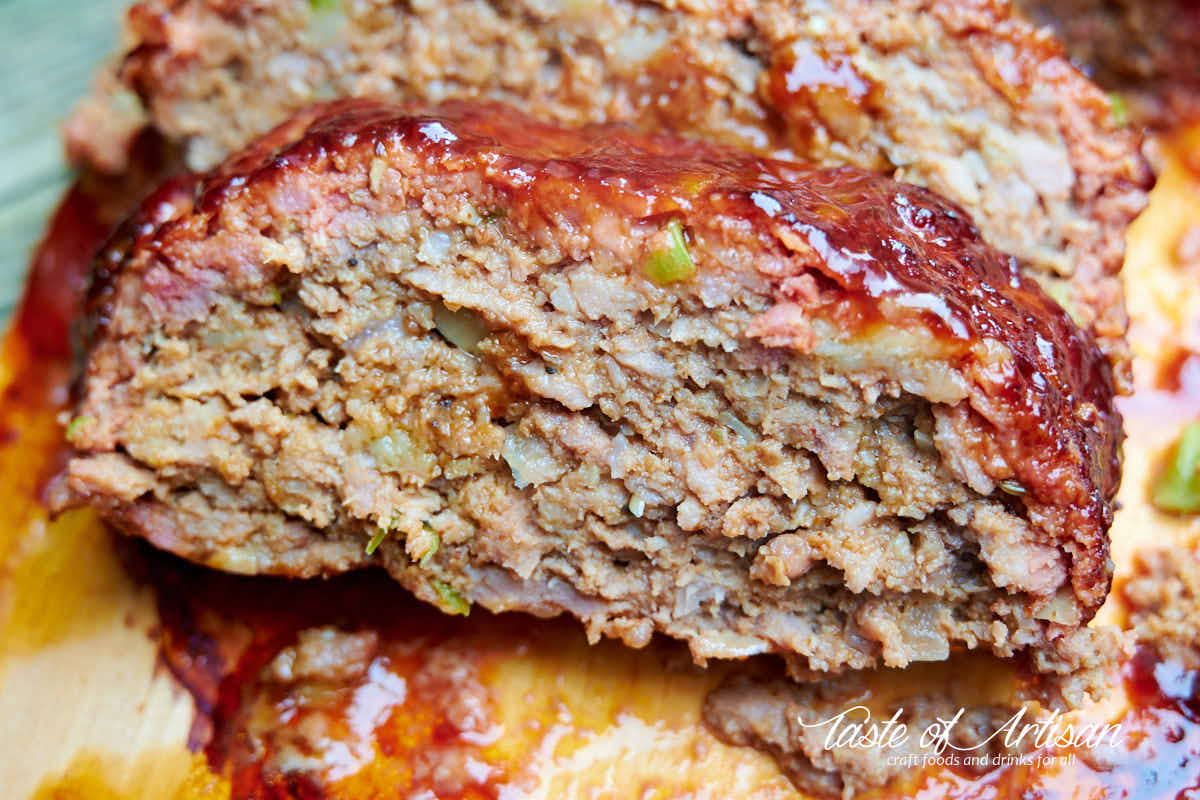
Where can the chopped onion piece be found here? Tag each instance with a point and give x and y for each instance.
(398, 452)
(1012, 487)
(462, 328)
(530, 460)
(637, 505)
(730, 420)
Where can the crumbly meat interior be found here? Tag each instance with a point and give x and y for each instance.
(968, 100)
(803, 726)
(526, 421)
(1162, 599)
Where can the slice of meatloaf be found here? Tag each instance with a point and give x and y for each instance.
(961, 97)
(1148, 51)
(662, 386)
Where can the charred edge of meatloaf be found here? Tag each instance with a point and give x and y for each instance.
(969, 100)
(857, 434)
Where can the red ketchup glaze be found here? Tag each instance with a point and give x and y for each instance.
(879, 250)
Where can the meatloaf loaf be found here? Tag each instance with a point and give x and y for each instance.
(965, 98)
(658, 385)
(1146, 51)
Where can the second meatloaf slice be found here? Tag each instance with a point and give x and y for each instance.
(965, 98)
(663, 387)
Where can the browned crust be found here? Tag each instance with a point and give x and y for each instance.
(876, 250)
(1016, 60)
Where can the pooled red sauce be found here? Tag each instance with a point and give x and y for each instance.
(59, 275)
(220, 632)
(1181, 373)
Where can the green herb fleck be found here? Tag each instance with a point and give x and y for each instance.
(1120, 109)
(1178, 488)
(433, 548)
(274, 295)
(673, 263)
(78, 424)
(323, 5)
(1012, 487)
(495, 214)
(376, 540)
(452, 601)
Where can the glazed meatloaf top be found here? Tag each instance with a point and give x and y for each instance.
(965, 98)
(870, 274)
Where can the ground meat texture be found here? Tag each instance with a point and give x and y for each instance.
(806, 727)
(963, 98)
(1163, 601)
(846, 431)
(772, 715)
(1147, 51)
